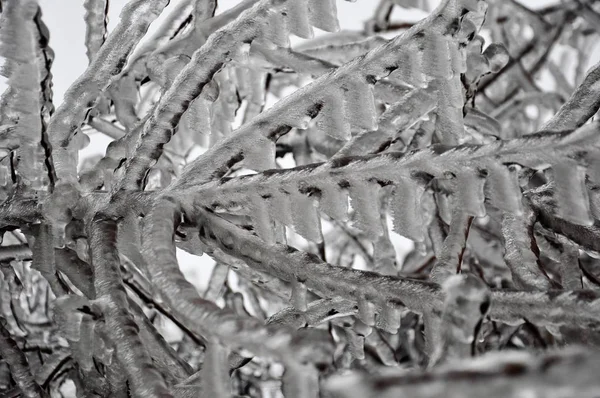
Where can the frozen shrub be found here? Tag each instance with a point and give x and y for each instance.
(405, 210)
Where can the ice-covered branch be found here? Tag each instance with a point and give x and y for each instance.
(144, 379)
(205, 316)
(479, 171)
(220, 47)
(136, 17)
(20, 107)
(343, 99)
(96, 20)
(387, 295)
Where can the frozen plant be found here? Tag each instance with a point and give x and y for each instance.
(407, 210)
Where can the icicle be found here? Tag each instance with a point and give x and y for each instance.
(280, 233)
(22, 272)
(243, 81)
(306, 217)
(364, 198)
(366, 311)
(436, 57)
(410, 70)
(259, 154)
(466, 302)
(384, 254)
(469, 192)
(332, 119)
(322, 14)
(225, 106)
(261, 218)
(26, 278)
(570, 274)
(388, 318)
(298, 19)
(406, 209)
(280, 207)
(82, 249)
(449, 111)
(220, 124)
(504, 190)
(86, 337)
(299, 292)
(12, 278)
(571, 193)
(334, 201)
(359, 105)
(124, 94)
(254, 83)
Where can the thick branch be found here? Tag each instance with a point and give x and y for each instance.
(144, 379)
(369, 289)
(206, 317)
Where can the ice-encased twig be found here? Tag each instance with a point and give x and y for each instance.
(324, 279)
(20, 105)
(81, 275)
(519, 241)
(449, 259)
(136, 17)
(160, 36)
(587, 236)
(96, 19)
(554, 307)
(18, 210)
(45, 59)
